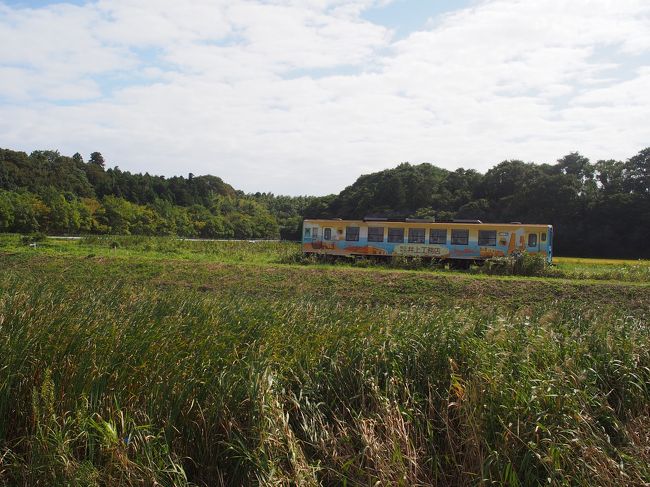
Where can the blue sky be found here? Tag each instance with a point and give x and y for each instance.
(300, 97)
(407, 16)
(37, 3)
(404, 16)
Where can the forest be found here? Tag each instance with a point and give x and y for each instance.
(599, 209)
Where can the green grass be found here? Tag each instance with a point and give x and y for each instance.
(258, 253)
(155, 362)
(611, 269)
(253, 252)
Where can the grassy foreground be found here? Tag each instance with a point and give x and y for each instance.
(122, 365)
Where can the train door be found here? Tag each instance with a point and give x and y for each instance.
(548, 243)
(316, 238)
(533, 242)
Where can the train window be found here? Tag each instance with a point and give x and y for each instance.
(532, 239)
(352, 234)
(487, 237)
(307, 232)
(416, 235)
(327, 234)
(375, 234)
(459, 237)
(438, 236)
(315, 233)
(543, 237)
(396, 235)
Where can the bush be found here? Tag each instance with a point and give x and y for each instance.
(293, 257)
(521, 264)
(530, 265)
(32, 238)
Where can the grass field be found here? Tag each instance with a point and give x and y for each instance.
(614, 269)
(141, 361)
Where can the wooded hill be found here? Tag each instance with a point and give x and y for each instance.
(599, 209)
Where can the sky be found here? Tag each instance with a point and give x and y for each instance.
(303, 96)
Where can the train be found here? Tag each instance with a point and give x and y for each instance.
(457, 240)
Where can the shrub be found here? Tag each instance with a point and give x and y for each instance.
(521, 264)
(530, 264)
(293, 257)
(32, 238)
(408, 262)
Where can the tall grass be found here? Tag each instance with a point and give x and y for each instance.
(231, 251)
(136, 385)
(275, 252)
(603, 269)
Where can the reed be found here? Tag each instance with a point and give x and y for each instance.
(129, 383)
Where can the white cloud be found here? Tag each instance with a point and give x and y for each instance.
(303, 96)
(144, 23)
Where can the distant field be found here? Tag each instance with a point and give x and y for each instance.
(614, 269)
(598, 262)
(145, 361)
(288, 253)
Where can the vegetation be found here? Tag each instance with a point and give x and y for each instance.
(54, 194)
(520, 264)
(598, 209)
(127, 359)
(154, 361)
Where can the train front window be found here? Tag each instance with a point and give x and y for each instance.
(307, 232)
(352, 234)
(438, 237)
(532, 240)
(416, 235)
(460, 237)
(375, 234)
(487, 237)
(396, 235)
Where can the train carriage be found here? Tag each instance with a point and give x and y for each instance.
(457, 239)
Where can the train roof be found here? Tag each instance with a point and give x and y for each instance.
(419, 221)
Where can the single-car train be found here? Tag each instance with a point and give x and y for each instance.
(457, 239)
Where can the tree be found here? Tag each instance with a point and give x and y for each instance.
(119, 215)
(30, 213)
(578, 167)
(6, 211)
(504, 179)
(92, 216)
(78, 159)
(63, 216)
(637, 172)
(97, 159)
(609, 175)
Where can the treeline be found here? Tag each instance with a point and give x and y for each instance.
(598, 209)
(50, 193)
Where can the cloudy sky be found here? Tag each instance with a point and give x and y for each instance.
(302, 96)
